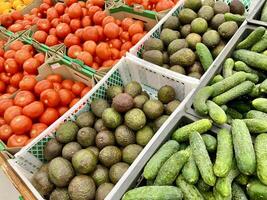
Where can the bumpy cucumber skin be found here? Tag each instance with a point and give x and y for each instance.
(263, 86)
(252, 38)
(243, 147)
(264, 13)
(225, 153)
(240, 106)
(172, 167)
(242, 179)
(228, 83)
(210, 142)
(261, 156)
(238, 193)
(216, 79)
(189, 191)
(200, 99)
(256, 190)
(234, 113)
(252, 77)
(260, 104)
(202, 186)
(204, 55)
(255, 92)
(241, 66)
(256, 125)
(190, 171)
(239, 19)
(154, 193)
(218, 196)
(207, 195)
(157, 160)
(202, 159)
(255, 114)
(201, 126)
(261, 45)
(233, 93)
(228, 67)
(216, 113)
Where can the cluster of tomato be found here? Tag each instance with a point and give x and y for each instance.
(90, 35)
(155, 5)
(35, 104)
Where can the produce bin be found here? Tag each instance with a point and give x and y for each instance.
(29, 159)
(255, 14)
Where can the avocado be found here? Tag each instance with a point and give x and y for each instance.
(221, 7)
(86, 136)
(135, 119)
(237, 7)
(85, 119)
(99, 125)
(124, 136)
(185, 30)
(98, 106)
(153, 44)
(145, 93)
(104, 138)
(186, 16)
(59, 194)
(199, 25)
(41, 182)
(144, 135)
(113, 91)
(153, 108)
(103, 190)
(52, 149)
(211, 38)
(193, 4)
(176, 45)
(67, 132)
(208, 3)
(217, 50)
(110, 155)
(70, 149)
(192, 39)
(165, 57)
(166, 66)
(94, 149)
(122, 102)
(153, 56)
(217, 20)
(140, 100)
(159, 122)
(133, 88)
(195, 75)
(111, 118)
(117, 170)
(84, 161)
(228, 29)
(171, 106)
(184, 57)
(166, 94)
(100, 175)
(196, 67)
(130, 152)
(172, 23)
(206, 12)
(177, 68)
(168, 35)
(82, 187)
(60, 171)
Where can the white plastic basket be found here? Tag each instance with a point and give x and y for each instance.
(29, 159)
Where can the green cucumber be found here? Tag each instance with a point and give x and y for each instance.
(260, 104)
(239, 19)
(229, 119)
(200, 99)
(264, 13)
(201, 157)
(216, 79)
(158, 159)
(225, 153)
(210, 142)
(256, 190)
(252, 77)
(228, 67)
(256, 125)
(216, 113)
(224, 107)
(263, 86)
(252, 38)
(240, 105)
(201, 126)
(261, 45)
(218, 196)
(233, 93)
(204, 55)
(190, 171)
(242, 179)
(228, 83)
(149, 182)
(255, 92)
(202, 186)
(238, 193)
(243, 147)
(207, 195)
(261, 156)
(255, 114)
(154, 193)
(172, 167)
(183, 146)
(234, 113)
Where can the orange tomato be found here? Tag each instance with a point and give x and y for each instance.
(85, 91)
(92, 10)
(126, 46)
(62, 110)
(22, 55)
(99, 17)
(49, 116)
(126, 23)
(111, 30)
(4, 104)
(37, 129)
(124, 36)
(57, 86)
(107, 20)
(66, 96)
(5, 132)
(50, 98)
(51, 40)
(27, 83)
(34, 109)
(77, 88)
(2, 87)
(40, 57)
(86, 57)
(12, 112)
(15, 79)
(103, 51)
(86, 21)
(9, 54)
(11, 89)
(99, 3)
(23, 98)
(74, 101)
(164, 5)
(115, 43)
(90, 33)
(40, 36)
(16, 45)
(17, 140)
(75, 11)
(67, 84)
(75, 24)
(135, 28)
(74, 51)
(11, 66)
(54, 78)
(137, 37)
(31, 65)
(42, 86)
(108, 63)
(2, 121)
(89, 46)
(21, 124)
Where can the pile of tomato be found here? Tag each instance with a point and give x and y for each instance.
(89, 33)
(154, 5)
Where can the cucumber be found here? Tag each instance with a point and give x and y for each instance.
(233, 93)
(229, 119)
(255, 92)
(255, 114)
(201, 126)
(253, 59)
(225, 153)
(261, 45)
(234, 113)
(243, 147)
(252, 38)
(263, 86)
(190, 171)
(183, 146)
(224, 107)
(252, 77)
(228, 83)
(158, 159)
(201, 157)
(264, 13)
(240, 105)
(207, 195)
(172, 167)
(202, 186)
(210, 142)
(261, 157)
(149, 182)
(228, 67)
(154, 193)
(260, 104)
(242, 179)
(238, 193)
(216, 113)
(256, 125)
(200, 99)
(218, 196)
(216, 79)
(256, 190)
(239, 19)
(204, 55)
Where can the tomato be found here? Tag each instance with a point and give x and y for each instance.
(60, 8)
(74, 101)
(43, 24)
(86, 21)
(28, 48)
(111, 30)
(37, 129)
(16, 15)
(4, 104)
(27, 83)
(108, 63)
(5, 132)
(51, 13)
(124, 36)
(92, 10)
(115, 53)
(21, 124)
(15, 79)
(2, 61)
(40, 36)
(164, 5)
(86, 58)
(99, 3)
(70, 2)
(16, 45)
(54, 23)
(71, 40)
(2, 87)
(85, 91)
(99, 17)
(17, 140)
(9, 54)
(2, 52)
(40, 57)
(79, 33)
(67, 84)
(34, 109)
(100, 31)
(75, 11)
(62, 110)
(126, 23)
(54, 78)
(31, 66)
(16, 28)
(65, 96)
(126, 46)
(51, 40)
(23, 98)
(2, 121)
(77, 88)
(103, 51)
(50, 98)
(22, 55)
(6, 20)
(42, 86)
(89, 46)
(137, 37)
(74, 51)
(115, 43)
(65, 18)
(11, 89)
(12, 112)
(107, 20)
(135, 28)
(49, 116)
(75, 24)
(90, 33)
(11, 66)
(62, 30)
(5, 78)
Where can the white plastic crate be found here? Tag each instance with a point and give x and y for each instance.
(29, 159)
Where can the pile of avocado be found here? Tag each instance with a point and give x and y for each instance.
(89, 155)
(209, 22)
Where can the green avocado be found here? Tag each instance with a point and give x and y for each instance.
(67, 132)
(84, 161)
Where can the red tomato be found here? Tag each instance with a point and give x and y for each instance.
(16, 28)
(53, 32)
(12, 112)
(22, 55)
(4, 104)
(70, 2)
(40, 57)
(31, 65)
(9, 54)
(164, 5)
(34, 109)
(115, 43)
(49, 116)
(52, 13)
(2, 121)
(103, 51)
(17, 140)
(107, 20)
(115, 53)
(51, 40)
(92, 10)
(99, 3)
(43, 24)
(90, 33)
(55, 22)
(21, 124)
(16, 15)
(5, 78)
(15, 79)
(71, 40)
(74, 51)
(77, 88)
(16, 45)
(63, 30)
(37, 129)
(23, 98)
(42, 86)
(67, 84)
(85, 91)
(40, 36)
(126, 46)
(74, 101)
(2, 61)
(75, 24)
(79, 33)
(50, 98)
(60, 7)
(86, 57)
(5, 132)
(111, 30)
(65, 18)
(44, 7)
(57, 86)
(135, 28)
(62, 110)
(75, 11)
(89, 46)
(2, 87)
(11, 89)
(11, 66)
(54, 78)
(6, 20)
(27, 83)
(86, 21)
(65, 96)
(98, 17)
